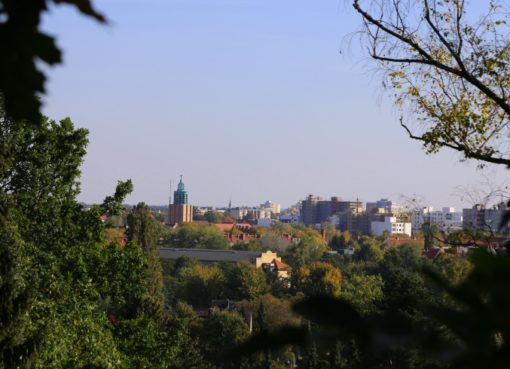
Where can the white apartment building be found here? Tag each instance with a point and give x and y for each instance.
(446, 219)
(243, 213)
(391, 225)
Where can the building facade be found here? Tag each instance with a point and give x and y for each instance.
(315, 210)
(482, 219)
(386, 205)
(390, 225)
(180, 211)
(446, 220)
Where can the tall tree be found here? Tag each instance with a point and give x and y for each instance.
(145, 231)
(49, 247)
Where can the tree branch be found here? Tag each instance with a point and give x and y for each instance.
(459, 147)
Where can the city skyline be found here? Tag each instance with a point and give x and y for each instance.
(249, 100)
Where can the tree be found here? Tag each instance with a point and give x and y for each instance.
(246, 281)
(203, 284)
(213, 216)
(320, 278)
(223, 329)
(23, 47)
(430, 234)
(191, 235)
(341, 240)
(270, 313)
(52, 250)
(369, 250)
(449, 68)
(310, 248)
(363, 292)
(144, 230)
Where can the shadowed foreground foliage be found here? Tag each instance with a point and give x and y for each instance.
(22, 46)
(471, 332)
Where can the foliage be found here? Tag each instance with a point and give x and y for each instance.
(144, 230)
(203, 284)
(222, 329)
(276, 313)
(447, 67)
(364, 292)
(341, 240)
(310, 248)
(192, 235)
(274, 242)
(23, 47)
(369, 250)
(411, 326)
(320, 278)
(245, 281)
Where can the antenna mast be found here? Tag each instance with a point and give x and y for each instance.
(170, 194)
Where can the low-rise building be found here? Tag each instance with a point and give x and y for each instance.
(267, 260)
(390, 225)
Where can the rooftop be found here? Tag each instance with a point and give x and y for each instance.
(209, 256)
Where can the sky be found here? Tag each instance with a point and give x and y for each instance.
(250, 100)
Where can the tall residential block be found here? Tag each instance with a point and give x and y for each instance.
(315, 210)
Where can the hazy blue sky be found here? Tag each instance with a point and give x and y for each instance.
(248, 99)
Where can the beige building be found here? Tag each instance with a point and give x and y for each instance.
(180, 213)
(269, 261)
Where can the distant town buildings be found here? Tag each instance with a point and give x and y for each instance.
(249, 214)
(482, 219)
(383, 205)
(180, 211)
(446, 220)
(273, 207)
(377, 217)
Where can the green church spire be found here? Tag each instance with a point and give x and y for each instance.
(180, 196)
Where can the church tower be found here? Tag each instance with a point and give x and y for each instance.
(180, 211)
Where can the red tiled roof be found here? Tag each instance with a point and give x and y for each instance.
(241, 237)
(280, 265)
(397, 241)
(243, 225)
(433, 252)
(225, 227)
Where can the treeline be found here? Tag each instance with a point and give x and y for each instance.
(375, 280)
